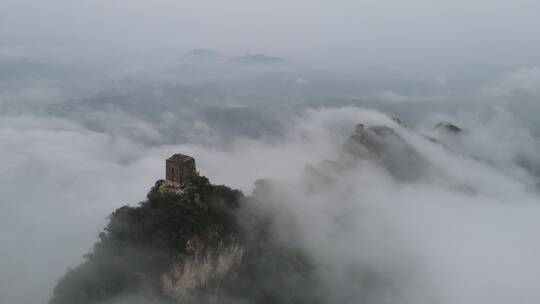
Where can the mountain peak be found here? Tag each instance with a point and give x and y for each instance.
(202, 54)
(448, 127)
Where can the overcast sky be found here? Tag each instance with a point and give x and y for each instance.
(364, 32)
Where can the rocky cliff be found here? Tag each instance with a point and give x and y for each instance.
(195, 242)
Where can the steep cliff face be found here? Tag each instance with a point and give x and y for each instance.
(201, 269)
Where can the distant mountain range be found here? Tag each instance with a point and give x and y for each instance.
(209, 54)
(203, 53)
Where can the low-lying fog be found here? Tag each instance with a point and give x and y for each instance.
(86, 123)
(66, 165)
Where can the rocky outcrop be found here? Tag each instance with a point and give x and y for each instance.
(201, 268)
(448, 127)
(172, 187)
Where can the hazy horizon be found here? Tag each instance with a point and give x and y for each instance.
(407, 35)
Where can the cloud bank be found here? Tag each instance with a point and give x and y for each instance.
(463, 232)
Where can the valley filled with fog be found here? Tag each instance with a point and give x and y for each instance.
(434, 198)
(451, 236)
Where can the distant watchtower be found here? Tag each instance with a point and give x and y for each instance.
(180, 169)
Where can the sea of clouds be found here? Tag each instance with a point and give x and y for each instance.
(374, 237)
(95, 95)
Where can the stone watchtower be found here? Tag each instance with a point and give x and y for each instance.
(180, 169)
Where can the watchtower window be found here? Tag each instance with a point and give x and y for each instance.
(172, 170)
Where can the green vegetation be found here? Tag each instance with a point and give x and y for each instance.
(140, 243)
